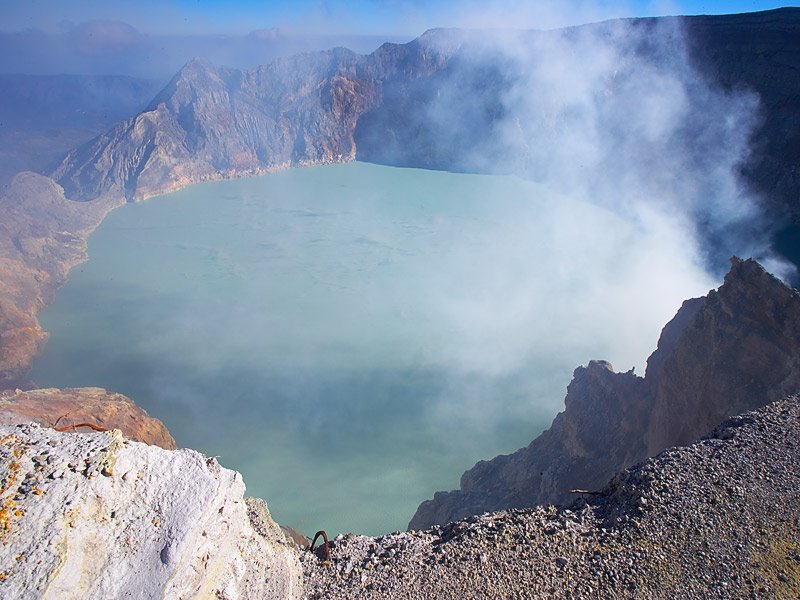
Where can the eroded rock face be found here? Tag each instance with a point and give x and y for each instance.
(213, 122)
(72, 406)
(735, 350)
(96, 516)
(42, 236)
(740, 348)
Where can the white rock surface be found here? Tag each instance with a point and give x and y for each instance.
(96, 516)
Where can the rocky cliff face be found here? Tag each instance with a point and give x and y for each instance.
(42, 235)
(734, 350)
(95, 516)
(212, 122)
(71, 409)
(470, 101)
(738, 346)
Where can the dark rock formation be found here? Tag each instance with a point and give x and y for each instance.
(739, 348)
(420, 123)
(68, 407)
(734, 350)
(761, 52)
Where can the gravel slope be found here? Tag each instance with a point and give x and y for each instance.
(717, 519)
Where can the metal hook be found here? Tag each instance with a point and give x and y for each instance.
(324, 546)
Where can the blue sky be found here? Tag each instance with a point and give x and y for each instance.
(343, 16)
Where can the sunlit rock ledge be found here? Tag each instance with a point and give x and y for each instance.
(84, 409)
(92, 515)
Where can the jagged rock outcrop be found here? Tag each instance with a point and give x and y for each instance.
(72, 406)
(739, 348)
(42, 235)
(96, 516)
(717, 519)
(734, 350)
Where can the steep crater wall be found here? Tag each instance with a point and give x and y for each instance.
(734, 350)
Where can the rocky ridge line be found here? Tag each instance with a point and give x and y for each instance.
(217, 123)
(734, 350)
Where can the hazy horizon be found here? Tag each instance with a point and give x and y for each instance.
(154, 39)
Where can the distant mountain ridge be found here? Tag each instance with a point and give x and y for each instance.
(212, 122)
(734, 350)
(42, 117)
(337, 106)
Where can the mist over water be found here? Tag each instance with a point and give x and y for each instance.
(352, 337)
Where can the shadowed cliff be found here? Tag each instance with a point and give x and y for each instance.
(734, 350)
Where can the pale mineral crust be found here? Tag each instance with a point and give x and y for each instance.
(96, 516)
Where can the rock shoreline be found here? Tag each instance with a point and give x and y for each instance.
(44, 235)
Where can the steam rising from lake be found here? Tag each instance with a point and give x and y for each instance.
(353, 337)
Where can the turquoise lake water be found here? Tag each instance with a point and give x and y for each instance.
(352, 337)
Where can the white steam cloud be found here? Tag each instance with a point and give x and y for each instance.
(399, 326)
(617, 117)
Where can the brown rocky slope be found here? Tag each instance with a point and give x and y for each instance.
(42, 236)
(734, 350)
(72, 408)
